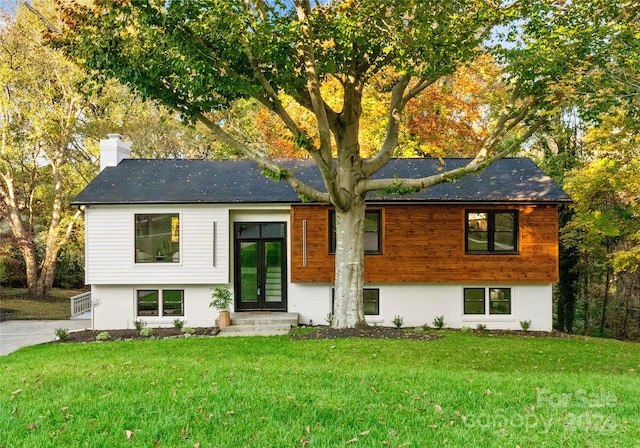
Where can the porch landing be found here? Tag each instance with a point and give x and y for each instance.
(259, 324)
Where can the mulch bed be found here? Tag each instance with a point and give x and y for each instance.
(127, 335)
(369, 333)
(317, 333)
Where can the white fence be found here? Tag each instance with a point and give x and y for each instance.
(80, 304)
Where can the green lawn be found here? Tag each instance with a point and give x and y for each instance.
(464, 390)
(15, 304)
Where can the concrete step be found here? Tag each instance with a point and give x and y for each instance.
(255, 330)
(285, 320)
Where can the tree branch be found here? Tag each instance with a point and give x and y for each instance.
(300, 187)
(46, 22)
(272, 101)
(392, 133)
(303, 8)
(476, 164)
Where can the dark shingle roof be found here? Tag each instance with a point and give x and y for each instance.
(141, 181)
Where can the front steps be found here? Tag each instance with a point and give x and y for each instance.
(259, 324)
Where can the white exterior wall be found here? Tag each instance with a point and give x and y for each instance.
(420, 304)
(115, 277)
(110, 247)
(115, 306)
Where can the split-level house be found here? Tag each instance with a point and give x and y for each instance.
(161, 233)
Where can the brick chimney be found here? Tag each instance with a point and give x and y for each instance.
(113, 150)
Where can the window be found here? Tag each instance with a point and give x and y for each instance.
(492, 232)
(475, 301)
(499, 301)
(371, 299)
(157, 238)
(154, 302)
(372, 234)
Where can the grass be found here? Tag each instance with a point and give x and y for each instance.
(463, 390)
(16, 304)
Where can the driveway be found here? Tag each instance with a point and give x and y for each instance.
(15, 334)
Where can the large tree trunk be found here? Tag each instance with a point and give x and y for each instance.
(348, 306)
(52, 242)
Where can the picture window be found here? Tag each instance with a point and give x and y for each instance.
(157, 238)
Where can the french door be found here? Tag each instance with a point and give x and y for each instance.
(260, 266)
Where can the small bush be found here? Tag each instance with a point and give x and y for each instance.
(146, 332)
(61, 333)
(139, 324)
(178, 324)
(465, 329)
(426, 327)
(481, 327)
(398, 321)
(330, 318)
(439, 322)
(104, 336)
(188, 330)
(525, 324)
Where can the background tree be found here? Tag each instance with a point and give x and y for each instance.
(40, 107)
(51, 119)
(201, 58)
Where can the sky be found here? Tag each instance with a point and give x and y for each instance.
(8, 5)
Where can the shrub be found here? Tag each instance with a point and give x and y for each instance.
(146, 332)
(439, 322)
(178, 324)
(139, 324)
(188, 330)
(481, 327)
(465, 329)
(330, 318)
(426, 327)
(525, 324)
(61, 333)
(104, 336)
(398, 321)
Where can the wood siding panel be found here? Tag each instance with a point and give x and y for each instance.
(426, 244)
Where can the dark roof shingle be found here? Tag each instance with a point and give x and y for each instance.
(142, 181)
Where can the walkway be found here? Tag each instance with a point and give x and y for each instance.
(15, 334)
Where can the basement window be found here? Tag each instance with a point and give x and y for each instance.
(371, 299)
(160, 302)
(478, 300)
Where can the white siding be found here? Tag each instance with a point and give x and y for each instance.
(110, 246)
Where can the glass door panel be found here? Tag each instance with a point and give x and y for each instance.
(272, 262)
(249, 271)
